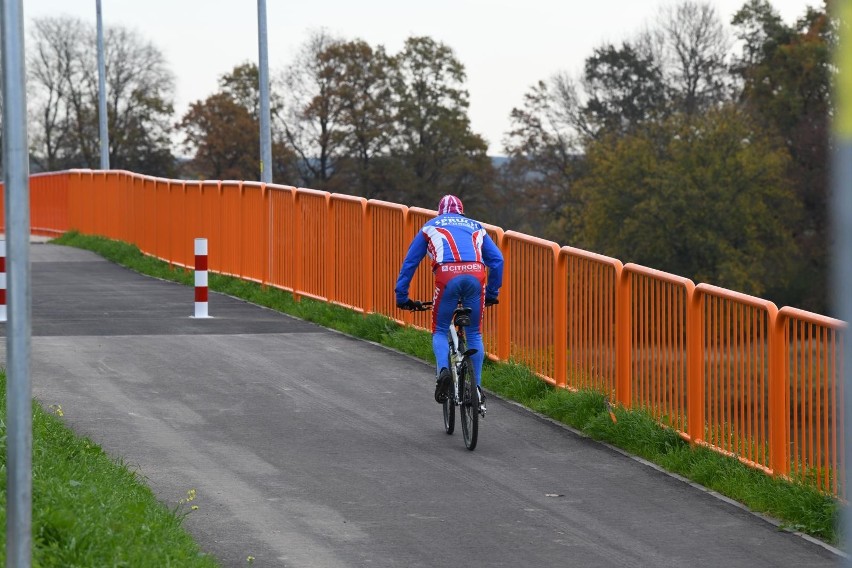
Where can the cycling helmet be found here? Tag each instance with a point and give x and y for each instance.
(450, 204)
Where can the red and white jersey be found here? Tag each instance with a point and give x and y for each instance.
(452, 238)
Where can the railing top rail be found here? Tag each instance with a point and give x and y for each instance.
(279, 187)
(349, 198)
(515, 236)
(312, 192)
(794, 313)
(571, 251)
(659, 275)
(724, 293)
(386, 205)
(423, 211)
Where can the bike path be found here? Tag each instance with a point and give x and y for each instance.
(309, 448)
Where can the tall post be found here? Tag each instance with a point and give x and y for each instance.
(263, 67)
(841, 216)
(102, 106)
(19, 419)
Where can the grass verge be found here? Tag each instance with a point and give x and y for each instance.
(797, 505)
(89, 510)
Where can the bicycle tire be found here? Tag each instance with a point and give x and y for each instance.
(449, 405)
(469, 406)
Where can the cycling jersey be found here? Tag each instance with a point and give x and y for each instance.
(448, 239)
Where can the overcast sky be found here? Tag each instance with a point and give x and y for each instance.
(505, 45)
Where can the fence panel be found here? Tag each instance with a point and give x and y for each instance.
(349, 258)
(386, 224)
(231, 199)
(190, 219)
(48, 204)
(737, 352)
(657, 308)
(423, 283)
(532, 275)
(312, 241)
(253, 234)
(491, 329)
(591, 286)
(280, 213)
(812, 349)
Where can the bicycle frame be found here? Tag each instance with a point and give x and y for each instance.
(457, 358)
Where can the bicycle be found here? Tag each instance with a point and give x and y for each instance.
(465, 393)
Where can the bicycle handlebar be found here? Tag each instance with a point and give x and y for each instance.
(426, 306)
(421, 307)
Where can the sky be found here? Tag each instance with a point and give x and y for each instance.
(506, 46)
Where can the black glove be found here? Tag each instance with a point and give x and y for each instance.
(409, 305)
(491, 301)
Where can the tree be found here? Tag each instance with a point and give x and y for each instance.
(64, 81)
(544, 148)
(433, 143)
(52, 66)
(223, 137)
(625, 88)
(692, 47)
(704, 197)
(223, 134)
(312, 112)
(786, 76)
(360, 82)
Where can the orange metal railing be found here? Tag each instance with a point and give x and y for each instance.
(726, 370)
(810, 347)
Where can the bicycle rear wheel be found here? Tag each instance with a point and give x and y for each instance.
(449, 415)
(469, 406)
(450, 405)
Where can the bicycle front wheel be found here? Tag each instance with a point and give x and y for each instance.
(469, 406)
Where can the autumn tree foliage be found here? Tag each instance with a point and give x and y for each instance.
(222, 132)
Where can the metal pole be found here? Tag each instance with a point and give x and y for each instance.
(19, 419)
(841, 217)
(102, 105)
(265, 129)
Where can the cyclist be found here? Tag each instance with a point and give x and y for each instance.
(459, 249)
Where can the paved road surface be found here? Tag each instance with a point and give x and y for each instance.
(308, 448)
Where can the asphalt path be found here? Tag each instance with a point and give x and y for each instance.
(309, 448)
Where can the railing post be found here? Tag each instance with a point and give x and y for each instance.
(369, 265)
(266, 211)
(779, 395)
(623, 394)
(297, 245)
(504, 313)
(330, 265)
(695, 390)
(407, 229)
(560, 318)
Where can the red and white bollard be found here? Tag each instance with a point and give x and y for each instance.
(201, 279)
(2, 279)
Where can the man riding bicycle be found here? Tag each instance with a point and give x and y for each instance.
(459, 249)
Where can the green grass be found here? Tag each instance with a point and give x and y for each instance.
(799, 506)
(88, 510)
